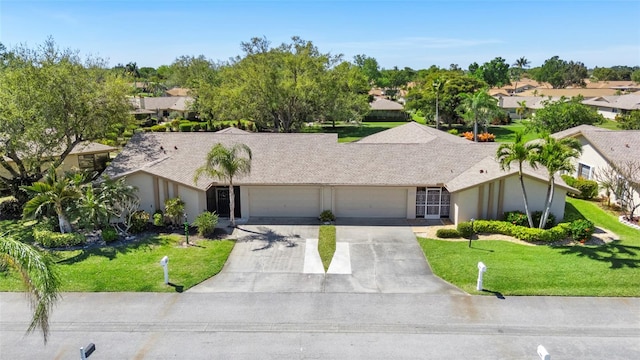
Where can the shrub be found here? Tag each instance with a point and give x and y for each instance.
(501, 118)
(523, 233)
(175, 123)
(465, 229)
(327, 216)
(206, 223)
(174, 209)
(581, 230)
(447, 233)
(139, 221)
(568, 179)
(537, 216)
(486, 137)
(109, 235)
(158, 128)
(588, 188)
(185, 127)
(52, 239)
(453, 131)
(516, 217)
(174, 115)
(158, 218)
(196, 127)
(10, 210)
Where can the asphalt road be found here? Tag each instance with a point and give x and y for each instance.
(324, 326)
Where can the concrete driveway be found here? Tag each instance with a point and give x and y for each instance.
(368, 259)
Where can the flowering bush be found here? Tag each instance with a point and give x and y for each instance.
(581, 230)
(468, 135)
(486, 137)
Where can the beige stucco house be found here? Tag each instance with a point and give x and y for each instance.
(602, 148)
(408, 172)
(612, 106)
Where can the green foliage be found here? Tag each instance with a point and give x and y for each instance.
(465, 229)
(158, 219)
(109, 235)
(581, 230)
(453, 131)
(326, 244)
(588, 188)
(206, 223)
(447, 233)
(185, 127)
(560, 115)
(158, 128)
(326, 216)
(537, 215)
(630, 121)
(516, 218)
(139, 221)
(52, 239)
(635, 76)
(10, 209)
(523, 233)
(568, 179)
(174, 210)
(560, 73)
(174, 115)
(496, 72)
(501, 118)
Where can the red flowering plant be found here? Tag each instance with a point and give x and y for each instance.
(581, 230)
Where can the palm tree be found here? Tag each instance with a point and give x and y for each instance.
(519, 66)
(478, 107)
(36, 270)
(438, 86)
(226, 163)
(522, 108)
(520, 152)
(54, 193)
(556, 156)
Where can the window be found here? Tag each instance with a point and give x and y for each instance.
(93, 162)
(584, 171)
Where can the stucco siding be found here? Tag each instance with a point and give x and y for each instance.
(144, 183)
(464, 205)
(285, 201)
(353, 201)
(192, 201)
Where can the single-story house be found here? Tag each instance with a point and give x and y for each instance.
(511, 104)
(408, 172)
(601, 148)
(386, 110)
(611, 106)
(86, 156)
(161, 107)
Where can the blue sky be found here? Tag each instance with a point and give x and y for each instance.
(417, 34)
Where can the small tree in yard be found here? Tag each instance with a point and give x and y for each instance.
(629, 186)
(206, 223)
(174, 209)
(608, 180)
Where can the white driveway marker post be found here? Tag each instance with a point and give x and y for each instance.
(481, 269)
(542, 352)
(165, 264)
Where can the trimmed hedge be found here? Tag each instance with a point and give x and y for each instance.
(109, 235)
(185, 127)
(588, 188)
(52, 239)
(465, 229)
(556, 233)
(447, 233)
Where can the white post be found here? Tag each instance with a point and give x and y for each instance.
(165, 264)
(481, 269)
(82, 355)
(542, 352)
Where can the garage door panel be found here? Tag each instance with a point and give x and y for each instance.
(371, 202)
(284, 201)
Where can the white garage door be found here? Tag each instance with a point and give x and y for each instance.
(371, 202)
(284, 201)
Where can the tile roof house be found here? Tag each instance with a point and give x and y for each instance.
(602, 148)
(611, 106)
(407, 172)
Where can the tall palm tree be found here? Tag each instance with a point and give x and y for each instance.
(478, 107)
(53, 192)
(438, 86)
(519, 66)
(556, 156)
(37, 272)
(519, 151)
(226, 163)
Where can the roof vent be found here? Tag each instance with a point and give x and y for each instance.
(627, 145)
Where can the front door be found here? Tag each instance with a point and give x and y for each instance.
(432, 210)
(222, 202)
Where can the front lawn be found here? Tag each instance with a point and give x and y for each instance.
(348, 132)
(135, 266)
(513, 269)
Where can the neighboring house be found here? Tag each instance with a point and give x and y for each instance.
(601, 148)
(611, 106)
(587, 93)
(161, 107)
(515, 87)
(177, 91)
(386, 110)
(87, 156)
(533, 103)
(408, 172)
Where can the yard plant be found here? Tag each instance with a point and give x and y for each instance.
(327, 244)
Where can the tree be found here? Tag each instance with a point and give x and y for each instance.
(519, 151)
(496, 72)
(564, 114)
(630, 121)
(522, 109)
(51, 101)
(635, 76)
(190, 72)
(225, 164)
(37, 273)
(54, 192)
(438, 86)
(478, 108)
(556, 156)
(369, 67)
(346, 89)
(560, 73)
(604, 74)
(628, 187)
(517, 70)
(119, 200)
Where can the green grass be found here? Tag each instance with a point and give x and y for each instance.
(514, 269)
(327, 244)
(135, 267)
(507, 133)
(353, 132)
(609, 124)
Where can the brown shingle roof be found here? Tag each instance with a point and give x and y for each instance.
(626, 102)
(410, 133)
(384, 104)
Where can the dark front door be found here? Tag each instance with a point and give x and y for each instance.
(222, 199)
